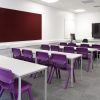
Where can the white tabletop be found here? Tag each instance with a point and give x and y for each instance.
(18, 67)
(89, 49)
(68, 55)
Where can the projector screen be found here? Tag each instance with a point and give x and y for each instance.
(19, 25)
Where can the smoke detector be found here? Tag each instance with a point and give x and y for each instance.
(87, 1)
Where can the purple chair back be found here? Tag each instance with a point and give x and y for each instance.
(83, 51)
(59, 61)
(42, 58)
(16, 53)
(45, 47)
(55, 48)
(27, 55)
(85, 45)
(96, 46)
(6, 76)
(72, 44)
(63, 43)
(69, 49)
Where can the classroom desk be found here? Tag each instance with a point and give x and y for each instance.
(70, 56)
(22, 68)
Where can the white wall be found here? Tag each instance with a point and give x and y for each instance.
(70, 25)
(52, 19)
(84, 24)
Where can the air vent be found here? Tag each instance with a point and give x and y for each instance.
(97, 6)
(87, 1)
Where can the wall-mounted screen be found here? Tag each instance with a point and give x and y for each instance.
(19, 25)
(96, 30)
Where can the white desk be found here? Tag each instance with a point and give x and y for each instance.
(70, 56)
(22, 68)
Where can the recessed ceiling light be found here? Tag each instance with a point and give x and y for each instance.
(50, 1)
(79, 10)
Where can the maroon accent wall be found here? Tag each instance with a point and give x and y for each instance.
(19, 26)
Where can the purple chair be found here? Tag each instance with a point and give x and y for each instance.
(63, 44)
(28, 55)
(97, 46)
(72, 44)
(69, 49)
(45, 47)
(42, 58)
(85, 45)
(55, 48)
(7, 82)
(85, 55)
(60, 62)
(17, 53)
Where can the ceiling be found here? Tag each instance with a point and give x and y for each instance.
(71, 5)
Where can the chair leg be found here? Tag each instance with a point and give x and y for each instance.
(53, 70)
(74, 76)
(30, 93)
(49, 75)
(59, 75)
(1, 92)
(12, 96)
(67, 81)
(88, 66)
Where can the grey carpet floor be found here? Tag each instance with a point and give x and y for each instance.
(86, 89)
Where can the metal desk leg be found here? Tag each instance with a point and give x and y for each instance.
(81, 68)
(19, 88)
(97, 57)
(45, 85)
(72, 72)
(91, 61)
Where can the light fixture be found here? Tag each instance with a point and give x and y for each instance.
(50, 1)
(79, 10)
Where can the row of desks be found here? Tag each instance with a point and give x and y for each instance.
(70, 56)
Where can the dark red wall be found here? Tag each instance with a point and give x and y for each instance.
(19, 26)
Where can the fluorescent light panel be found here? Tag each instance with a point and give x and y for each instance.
(50, 1)
(79, 10)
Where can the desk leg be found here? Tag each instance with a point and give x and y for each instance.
(19, 88)
(81, 68)
(72, 62)
(45, 86)
(97, 57)
(91, 61)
